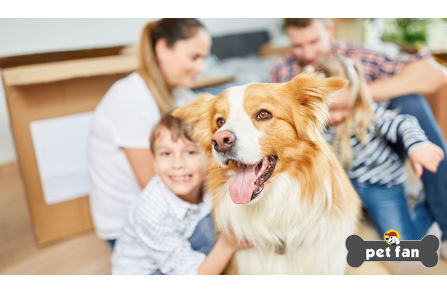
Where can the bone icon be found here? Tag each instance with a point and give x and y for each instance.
(356, 250)
(424, 250)
(429, 246)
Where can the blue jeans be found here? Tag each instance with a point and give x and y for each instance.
(435, 185)
(203, 238)
(112, 242)
(388, 208)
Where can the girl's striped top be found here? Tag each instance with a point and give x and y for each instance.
(375, 162)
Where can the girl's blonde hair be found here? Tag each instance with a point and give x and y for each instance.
(361, 114)
(172, 30)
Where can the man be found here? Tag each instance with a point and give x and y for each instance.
(400, 75)
(397, 82)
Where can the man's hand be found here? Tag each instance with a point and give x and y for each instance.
(427, 156)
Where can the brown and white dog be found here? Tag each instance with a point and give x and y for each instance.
(273, 178)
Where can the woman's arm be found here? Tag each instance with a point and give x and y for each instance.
(142, 163)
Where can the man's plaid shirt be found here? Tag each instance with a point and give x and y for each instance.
(375, 65)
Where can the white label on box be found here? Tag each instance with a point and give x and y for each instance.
(61, 145)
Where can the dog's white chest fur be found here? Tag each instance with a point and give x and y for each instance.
(314, 239)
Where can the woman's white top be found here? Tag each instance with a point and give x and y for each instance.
(123, 119)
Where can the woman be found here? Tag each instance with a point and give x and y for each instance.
(171, 54)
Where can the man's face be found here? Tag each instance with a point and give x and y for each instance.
(309, 43)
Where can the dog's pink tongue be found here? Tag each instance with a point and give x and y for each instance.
(242, 188)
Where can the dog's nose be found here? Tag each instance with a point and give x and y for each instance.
(223, 141)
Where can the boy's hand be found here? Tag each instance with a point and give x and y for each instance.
(233, 242)
(428, 156)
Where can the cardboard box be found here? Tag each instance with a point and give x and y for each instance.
(49, 85)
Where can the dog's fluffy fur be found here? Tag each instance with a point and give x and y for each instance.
(308, 207)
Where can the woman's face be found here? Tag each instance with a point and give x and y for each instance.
(181, 63)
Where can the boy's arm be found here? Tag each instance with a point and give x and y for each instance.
(221, 254)
(218, 258)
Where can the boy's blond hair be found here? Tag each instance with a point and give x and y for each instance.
(361, 115)
(176, 126)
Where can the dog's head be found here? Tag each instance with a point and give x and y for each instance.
(258, 130)
(393, 240)
(390, 240)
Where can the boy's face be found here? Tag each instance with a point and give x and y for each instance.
(180, 165)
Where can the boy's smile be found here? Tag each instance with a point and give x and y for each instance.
(179, 179)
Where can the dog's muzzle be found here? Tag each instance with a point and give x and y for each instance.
(223, 141)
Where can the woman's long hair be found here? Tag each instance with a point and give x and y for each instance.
(361, 114)
(172, 30)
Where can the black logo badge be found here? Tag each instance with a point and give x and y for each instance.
(392, 249)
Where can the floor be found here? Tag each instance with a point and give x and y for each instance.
(85, 254)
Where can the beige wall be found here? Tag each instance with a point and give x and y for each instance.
(349, 29)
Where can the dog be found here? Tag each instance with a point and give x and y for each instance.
(274, 179)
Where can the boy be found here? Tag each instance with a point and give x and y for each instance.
(169, 229)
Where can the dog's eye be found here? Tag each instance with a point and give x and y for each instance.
(220, 122)
(264, 115)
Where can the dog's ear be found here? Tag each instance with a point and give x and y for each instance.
(198, 114)
(192, 112)
(312, 95)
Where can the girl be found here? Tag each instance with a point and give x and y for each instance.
(361, 133)
(171, 53)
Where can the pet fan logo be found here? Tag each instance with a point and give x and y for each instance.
(392, 237)
(392, 249)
